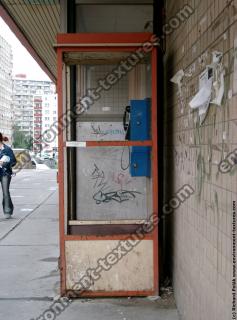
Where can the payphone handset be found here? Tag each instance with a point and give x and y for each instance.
(136, 123)
(126, 122)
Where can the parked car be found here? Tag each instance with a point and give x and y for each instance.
(45, 156)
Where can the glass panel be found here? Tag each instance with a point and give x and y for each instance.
(105, 188)
(112, 183)
(111, 98)
(105, 89)
(114, 18)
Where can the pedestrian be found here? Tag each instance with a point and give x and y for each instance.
(7, 161)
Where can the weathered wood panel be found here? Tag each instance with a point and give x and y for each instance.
(133, 272)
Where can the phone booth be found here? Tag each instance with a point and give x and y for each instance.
(108, 178)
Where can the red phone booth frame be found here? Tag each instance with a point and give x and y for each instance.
(108, 42)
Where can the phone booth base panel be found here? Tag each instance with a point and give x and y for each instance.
(113, 268)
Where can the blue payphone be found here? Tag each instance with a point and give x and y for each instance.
(138, 129)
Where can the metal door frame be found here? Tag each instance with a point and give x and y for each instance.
(104, 42)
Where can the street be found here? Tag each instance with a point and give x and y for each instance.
(29, 254)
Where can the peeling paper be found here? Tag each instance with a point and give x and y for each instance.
(211, 86)
(219, 88)
(219, 78)
(216, 57)
(202, 99)
(177, 79)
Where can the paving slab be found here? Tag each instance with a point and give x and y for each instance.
(29, 251)
(40, 228)
(86, 310)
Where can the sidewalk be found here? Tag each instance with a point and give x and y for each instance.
(29, 278)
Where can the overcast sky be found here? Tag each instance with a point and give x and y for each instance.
(22, 60)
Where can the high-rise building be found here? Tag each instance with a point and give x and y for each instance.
(45, 115)
(6, 65)
(24, 92)
(37, 123)
(49, 117)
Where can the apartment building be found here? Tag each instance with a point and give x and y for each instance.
(6, 65)
(45, 114)
(24, 91)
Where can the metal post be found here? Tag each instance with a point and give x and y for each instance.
(71, 152)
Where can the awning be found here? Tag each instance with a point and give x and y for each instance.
(36, 24)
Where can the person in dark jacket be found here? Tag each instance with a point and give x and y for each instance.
(7, 161)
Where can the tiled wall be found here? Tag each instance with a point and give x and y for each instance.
(200, 230)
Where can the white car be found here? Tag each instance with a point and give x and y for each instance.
(45, 156)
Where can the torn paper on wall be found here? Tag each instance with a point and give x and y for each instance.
(177, 79)
(211, 86)
(216, 57)
(219, 88)
(202, 99)
(218, 78)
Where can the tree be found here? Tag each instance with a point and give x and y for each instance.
(21, 140)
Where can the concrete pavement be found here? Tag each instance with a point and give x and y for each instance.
(29, 278)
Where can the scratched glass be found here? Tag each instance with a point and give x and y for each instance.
(113, 183)
(106, 190)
